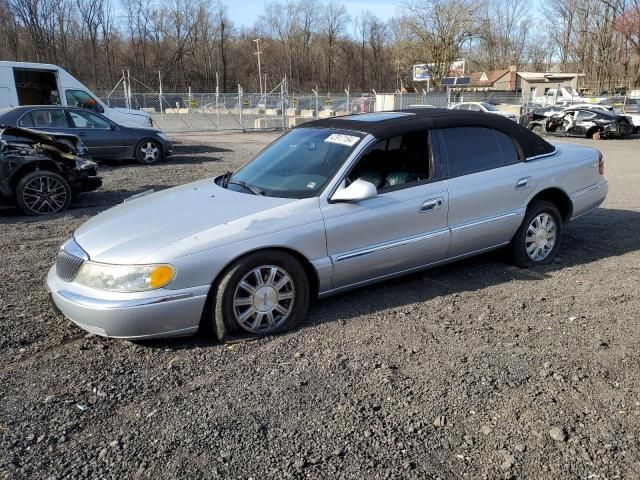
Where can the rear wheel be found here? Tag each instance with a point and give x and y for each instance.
(148, 152)
(537, 240)
(42, 193)
(596, 134)
(261, 294)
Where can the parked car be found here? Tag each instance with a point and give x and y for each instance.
(483, 107)
(23, 83)
(40, 172)
(630, 107)
(538, 113)
(104, 139)
(331, 205)
(583, 122)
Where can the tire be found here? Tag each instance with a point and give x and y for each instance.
(531, 249)
(148, 152)
(42, 193)
(269, 310)
(596, 135)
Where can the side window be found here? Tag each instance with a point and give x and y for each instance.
(49, 118)
(26, 120)
(88, 120)
(509, 150)
(81, 99)
(397, 162)
(474, 149)
(475, 108)
(581, 115)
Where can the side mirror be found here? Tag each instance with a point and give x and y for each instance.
(358, 190)
(114, 127)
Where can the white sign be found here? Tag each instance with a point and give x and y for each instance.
(421, 72)
(347, 140)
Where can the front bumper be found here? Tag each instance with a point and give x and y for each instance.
(619, 130)
(133, 316)
(167, 148)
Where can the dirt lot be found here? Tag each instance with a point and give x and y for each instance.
(526, 373)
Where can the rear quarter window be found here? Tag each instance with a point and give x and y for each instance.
(475, 149)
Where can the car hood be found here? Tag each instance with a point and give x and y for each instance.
(41, 137)
(135, 229)
(130, 111)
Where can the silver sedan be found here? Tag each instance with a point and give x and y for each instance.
(329, 206)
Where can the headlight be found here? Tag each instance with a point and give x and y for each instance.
(124, 278)
(162, 135)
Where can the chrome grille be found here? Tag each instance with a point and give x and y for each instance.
(67, 265)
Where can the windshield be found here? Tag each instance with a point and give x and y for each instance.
(297, 165)
(489, 107)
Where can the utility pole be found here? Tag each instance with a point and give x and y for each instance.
(258, 52)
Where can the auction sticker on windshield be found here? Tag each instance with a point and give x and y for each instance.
(347, 140)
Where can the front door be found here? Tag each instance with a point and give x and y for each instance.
(403, 227)
(96, 133)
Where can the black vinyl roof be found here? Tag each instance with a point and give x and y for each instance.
(389, 124)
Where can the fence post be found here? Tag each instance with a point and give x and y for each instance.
(347, 92)
(282, 105)
(189, 110)
(240, 106)
(160, 99)
(315, 93)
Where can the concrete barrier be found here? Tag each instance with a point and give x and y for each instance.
(295, 121)
(266, 122)
(176, 110)
(148, 109)
(326, 113)
(273, 111)
(307, 113)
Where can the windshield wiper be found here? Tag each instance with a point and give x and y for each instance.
(253, 189)
(224, 181)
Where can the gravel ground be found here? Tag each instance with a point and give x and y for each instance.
(474, 370)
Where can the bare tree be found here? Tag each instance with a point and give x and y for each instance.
(434, 31)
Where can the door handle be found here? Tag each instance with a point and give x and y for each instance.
(432, 204)
(522, 183)
(82, 134)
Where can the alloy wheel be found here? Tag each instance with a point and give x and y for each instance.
(150, 152)
(44, 195)
(541, 237)
(263, 299)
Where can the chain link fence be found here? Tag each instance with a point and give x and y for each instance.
(201, 112)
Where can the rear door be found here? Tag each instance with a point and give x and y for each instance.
(489, 183)
(403, 227)
(96, 133)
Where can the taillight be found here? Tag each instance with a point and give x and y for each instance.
(600, 163)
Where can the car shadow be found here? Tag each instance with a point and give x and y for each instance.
(602, 234)
(182, 153)
(79, 204)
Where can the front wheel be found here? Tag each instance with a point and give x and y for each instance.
(537, 240)
(148, 152)
(42, 193)
(261, 294)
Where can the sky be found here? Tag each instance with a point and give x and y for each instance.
(246, 12)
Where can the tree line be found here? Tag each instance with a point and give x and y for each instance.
(317, 44)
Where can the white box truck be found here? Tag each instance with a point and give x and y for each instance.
(24, 83)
